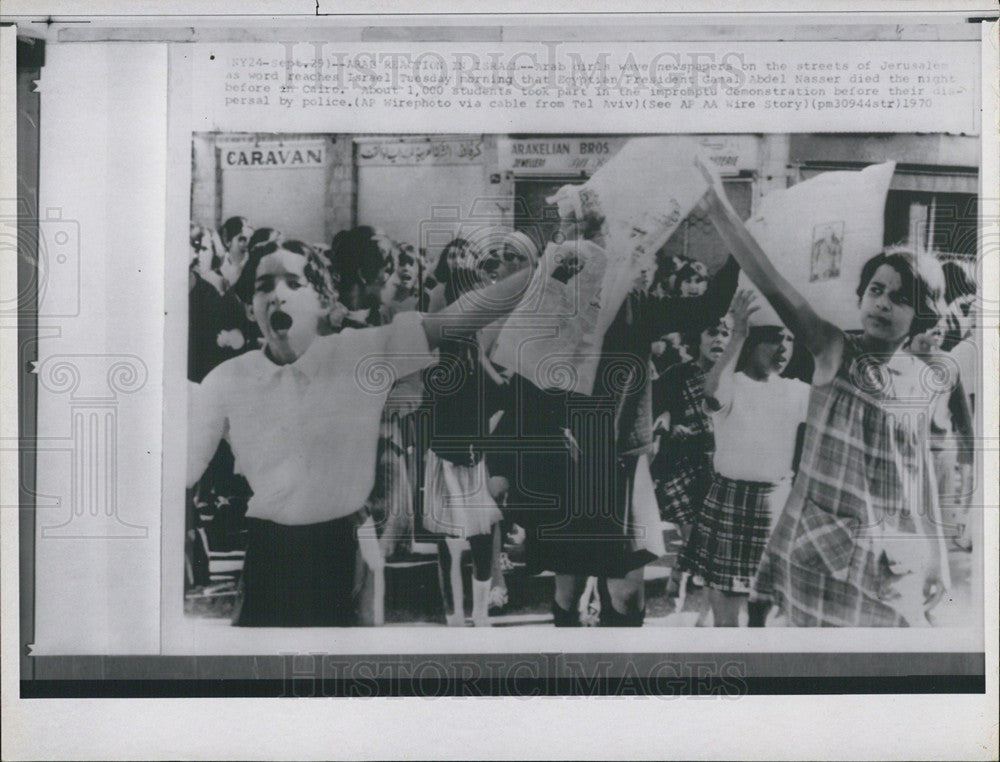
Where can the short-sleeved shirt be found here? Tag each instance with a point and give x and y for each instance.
(305, 434)
(755, 428)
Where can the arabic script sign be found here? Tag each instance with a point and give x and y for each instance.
(418, 152)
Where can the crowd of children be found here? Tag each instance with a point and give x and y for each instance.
(344, 398)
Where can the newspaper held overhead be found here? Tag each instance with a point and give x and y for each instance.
(819, 233)
(636, 201)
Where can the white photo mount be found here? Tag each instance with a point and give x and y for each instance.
(129, 189)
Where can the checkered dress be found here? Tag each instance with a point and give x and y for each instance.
(730, 533)
(683, 469)
(862, 521)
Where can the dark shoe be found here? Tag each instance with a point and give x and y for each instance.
(636, 618)
(563, 618)
(611, 618)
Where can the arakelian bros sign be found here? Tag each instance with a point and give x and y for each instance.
(557, 155)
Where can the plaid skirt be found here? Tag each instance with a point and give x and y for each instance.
(822, 572)
(729, 536)
(681, 492)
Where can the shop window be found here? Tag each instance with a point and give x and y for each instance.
(942, 222)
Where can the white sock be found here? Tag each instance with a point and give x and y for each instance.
(481, 602)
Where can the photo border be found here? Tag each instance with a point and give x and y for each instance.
(122, 671)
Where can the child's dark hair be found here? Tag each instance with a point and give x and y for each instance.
(959, 284)
(459, 280)
(687, 271)
(957, 281)
(922, 284)
(231, 228)
(261, 236)
(757, 335)
(356, 256)
(666, 266)
(698, 323)
(442, 271)
(316, 270)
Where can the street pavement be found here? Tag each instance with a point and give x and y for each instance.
(413, 595)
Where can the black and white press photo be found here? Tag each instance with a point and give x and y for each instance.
(582, 380)
(615, 383)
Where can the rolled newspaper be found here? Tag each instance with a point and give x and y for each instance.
(636, 201)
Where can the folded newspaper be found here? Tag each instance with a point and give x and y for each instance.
(819, 233)
(637, 200)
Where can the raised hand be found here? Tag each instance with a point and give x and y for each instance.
(742, 307)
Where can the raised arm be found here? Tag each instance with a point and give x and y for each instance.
(718, 382)
(721, 288)
(823, 339)
(476, 309)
